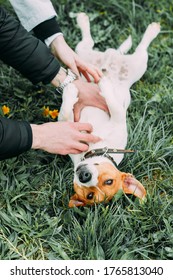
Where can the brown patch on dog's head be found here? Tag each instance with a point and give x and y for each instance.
(109, 181)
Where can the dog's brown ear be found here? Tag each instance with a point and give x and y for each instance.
(132, 186)
(74, 201)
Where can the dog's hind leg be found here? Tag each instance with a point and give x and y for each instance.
(84, 25)
(137, 62)
(69, 98)
(85, 47)
(150, 34)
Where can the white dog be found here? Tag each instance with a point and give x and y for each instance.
(96, 177)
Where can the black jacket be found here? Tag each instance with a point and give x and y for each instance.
(24, 52)
(33, 59)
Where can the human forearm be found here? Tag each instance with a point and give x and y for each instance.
(15, 138)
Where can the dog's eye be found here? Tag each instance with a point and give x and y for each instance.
(90, 195)
(108, 182)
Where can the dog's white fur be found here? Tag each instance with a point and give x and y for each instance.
(121, 70)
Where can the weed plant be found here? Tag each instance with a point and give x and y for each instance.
(35, 221)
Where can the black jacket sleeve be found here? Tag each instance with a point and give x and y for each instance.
(24, 52)
(15, 138)
(46, 29)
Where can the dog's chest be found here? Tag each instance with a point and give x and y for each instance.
(112, 134)
(101, 123)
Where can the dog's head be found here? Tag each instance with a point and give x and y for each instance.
(99, 180)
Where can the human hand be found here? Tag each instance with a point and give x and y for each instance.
(62, 51)
(88, 95)
(62, 137)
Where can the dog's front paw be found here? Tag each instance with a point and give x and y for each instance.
(70, 97)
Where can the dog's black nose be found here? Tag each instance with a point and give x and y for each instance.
(84, 174)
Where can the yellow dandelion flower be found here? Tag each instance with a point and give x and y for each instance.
(53, 114)
(6, 110)
(45, 111)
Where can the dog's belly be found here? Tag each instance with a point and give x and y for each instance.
(113, 133)
(99, 120)
(95, 116)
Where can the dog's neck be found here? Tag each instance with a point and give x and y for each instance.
(105, 152)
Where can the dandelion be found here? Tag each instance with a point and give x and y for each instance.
(6, 110)
(46, 111)
(53, 114)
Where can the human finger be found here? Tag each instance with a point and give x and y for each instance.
(88, 69)
(86, 75)
(85, 135)
(89, 138)
(84, 127)
(73, 67)
(94, 72)
(73, 150)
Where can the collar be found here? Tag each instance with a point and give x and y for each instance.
(106, 153)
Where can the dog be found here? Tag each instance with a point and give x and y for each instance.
(96, 174)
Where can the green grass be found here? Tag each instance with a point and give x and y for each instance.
(35, 221)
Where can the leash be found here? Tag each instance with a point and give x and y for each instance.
(106, 153)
